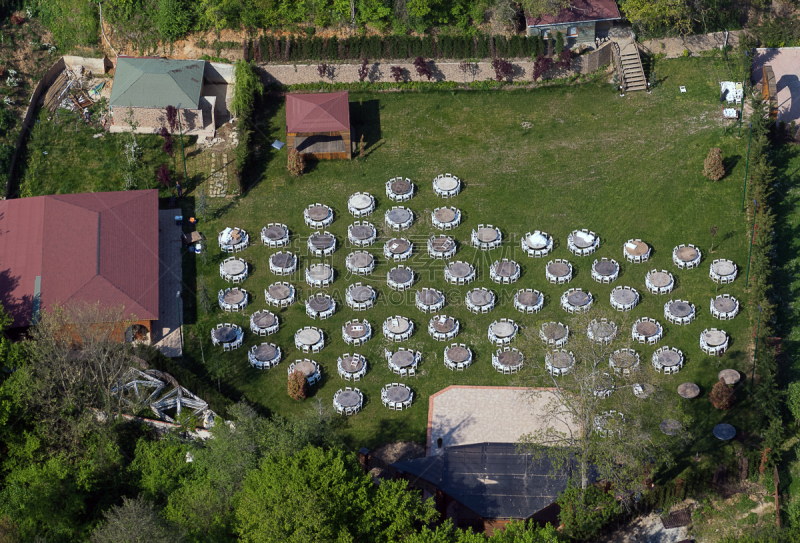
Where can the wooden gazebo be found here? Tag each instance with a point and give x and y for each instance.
(319, 124)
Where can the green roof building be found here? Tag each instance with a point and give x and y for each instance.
(157, 83)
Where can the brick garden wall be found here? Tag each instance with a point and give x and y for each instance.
(150, 120)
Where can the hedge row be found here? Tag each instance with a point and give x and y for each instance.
(304, 48)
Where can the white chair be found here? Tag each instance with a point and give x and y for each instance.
(399, 197)
(537, 244)
(362, 242)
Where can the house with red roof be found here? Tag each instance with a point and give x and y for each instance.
(319, 124)
(580, 23)
(96, 248)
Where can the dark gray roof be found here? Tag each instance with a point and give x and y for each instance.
(491, 479)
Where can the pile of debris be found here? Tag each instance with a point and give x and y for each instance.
(71, 90)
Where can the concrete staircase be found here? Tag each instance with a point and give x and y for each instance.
(632, 77)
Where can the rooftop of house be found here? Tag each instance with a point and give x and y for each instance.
(96, 248)
(579, 11)
(157, 83)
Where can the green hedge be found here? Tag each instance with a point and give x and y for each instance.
(300, 48)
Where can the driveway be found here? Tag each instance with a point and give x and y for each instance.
(166, 334)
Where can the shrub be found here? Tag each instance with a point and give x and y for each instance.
(246, 50)
(559, 43)
(167, 147)
(164, 176)
(363, 70)
(172, 118)
(722, 396)
(793, 402)
(564, 59)
(584, 513)
(713, 168)
(174, 18)
(397, 73)
(296, 163)
(322, 70)
(540, 66)
(297, 384)
(423, 70)
(503, 69)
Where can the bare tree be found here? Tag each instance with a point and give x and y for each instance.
(605, 419)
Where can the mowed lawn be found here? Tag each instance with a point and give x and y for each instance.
(623, 167)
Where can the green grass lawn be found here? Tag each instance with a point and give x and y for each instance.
(623, 167)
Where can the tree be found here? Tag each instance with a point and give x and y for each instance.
(584, 513)
(319, 495)
(713, 168)
(540, 67)
(172, 118)
(246, 88)
(537, 8)
(422, 68)
(167, 147)
(559, 47)
(363, 70)
(297, 386)
(397, 73)
(163, 175)
(296, 163)
(722, 396)
(503, 69)
(135, 521)
(648, 15)
(793, 400)
(582, 402)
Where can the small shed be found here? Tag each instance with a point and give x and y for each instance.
(319, 124)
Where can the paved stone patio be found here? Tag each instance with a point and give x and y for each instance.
(784, 62)
(166, 335)
(462, 415)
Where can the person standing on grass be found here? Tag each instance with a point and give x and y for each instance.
(179, 189)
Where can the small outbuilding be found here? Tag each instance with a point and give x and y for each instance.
(580, 23)
(318, 125)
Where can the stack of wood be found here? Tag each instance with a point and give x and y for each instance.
(57, 91)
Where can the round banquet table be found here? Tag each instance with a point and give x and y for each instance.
(400, 275)
(233, 267)
(602, 330)
(528, 298)
(445, 215)
(309, 336)
(560, 360)
(401, 186)
(578, 298)
(505, 269)
(480, 297)
(457, 354)
(715, 338)
(360, 260)
(583, 242)
(442, 244)
(723, 267)
(428, 296)
(487, 235)
(503, 329)
(319, 303)
(398, 325)
(398, 246)
(509, 358)
(263, 319)
(680, 309)
(306, 368)
(361, 293)
(320, 272)
(669, 359)
(660, 279)
(529, 241)
(689, 390)
(355, 330)
(639, 250)
(352, 364)
(348, 398)
(397, 393)
(670, 426)
(321, 241)
(265, 352)
(233, 296)
(459, 269)
(226, 334)
(446, 183)
(403, 359)
(275, 233)
(686, 254)
(623, 360)
(360, 201)
(444, 326)
(361, 231)
(318, 213)
(605, 268)
(624, 296)
(730, 377)
(399, 215)
(724, 432)
(647, 328)
(282, 260)
(555, 331)
(279, 292)
(724, 305)
(558, 269)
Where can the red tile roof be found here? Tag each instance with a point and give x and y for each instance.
(321, 112)
(580, 10)
(86, 248)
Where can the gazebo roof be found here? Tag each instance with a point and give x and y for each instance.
(321, 112)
